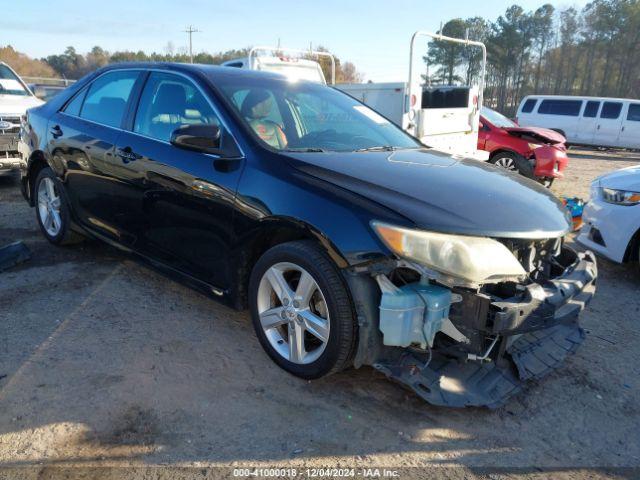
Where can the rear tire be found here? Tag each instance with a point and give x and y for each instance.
(513, 162)
(301, 310)
(52, 209)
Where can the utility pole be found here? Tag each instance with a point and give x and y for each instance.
(190, 30)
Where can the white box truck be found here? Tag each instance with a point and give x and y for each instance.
(443, 117)
(293, 63)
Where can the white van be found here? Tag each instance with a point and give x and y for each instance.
(598, 121)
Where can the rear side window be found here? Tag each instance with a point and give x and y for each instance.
(107, 98)
(634, 112)
(591, 110)
(529, 104)
(74, 106)
(570, 108)
(611, 110)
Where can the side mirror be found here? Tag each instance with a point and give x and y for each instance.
(200, 138)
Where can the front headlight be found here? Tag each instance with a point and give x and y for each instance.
(475, 259)
(620, 197)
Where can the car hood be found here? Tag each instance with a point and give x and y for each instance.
(443, 193)
(543, 134)
(11, 105)
(624, 179)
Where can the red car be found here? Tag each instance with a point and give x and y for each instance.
(537, 153)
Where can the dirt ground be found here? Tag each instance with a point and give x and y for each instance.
(104, 362)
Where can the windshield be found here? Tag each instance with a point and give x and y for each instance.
(496, 118)
(9, 83)
(303, 116)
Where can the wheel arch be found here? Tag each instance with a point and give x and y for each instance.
(274, 231)
(37, 161)
(496, 152)
(632, 252)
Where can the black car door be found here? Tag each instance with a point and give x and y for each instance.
(82, 138)
(179, 202)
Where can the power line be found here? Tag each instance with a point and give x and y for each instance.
(190, 30)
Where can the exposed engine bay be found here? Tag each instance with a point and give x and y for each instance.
(459, 344)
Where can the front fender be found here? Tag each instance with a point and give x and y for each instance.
(338, 218)
(33, 145)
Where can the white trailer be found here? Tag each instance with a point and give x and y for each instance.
(446, 118)
(293, 63)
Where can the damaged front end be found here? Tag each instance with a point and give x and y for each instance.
(457, 343)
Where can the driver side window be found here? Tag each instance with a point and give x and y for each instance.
(273, 113)
(168, 102)
(261, 111)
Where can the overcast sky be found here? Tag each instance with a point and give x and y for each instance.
(373, 34)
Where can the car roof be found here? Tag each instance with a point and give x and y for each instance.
(211, 71)
(577, 97)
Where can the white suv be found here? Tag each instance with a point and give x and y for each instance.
(15, 99)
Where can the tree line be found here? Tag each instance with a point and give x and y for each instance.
(73, 65)
(592, 51)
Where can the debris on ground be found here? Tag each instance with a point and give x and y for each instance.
(575, 206)
(13, 254)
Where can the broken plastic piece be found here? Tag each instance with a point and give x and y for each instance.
(450, 330)
(449, 382)
(13, 254)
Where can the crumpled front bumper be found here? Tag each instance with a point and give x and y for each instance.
(538, 332)
(550, 161)
(10, 156)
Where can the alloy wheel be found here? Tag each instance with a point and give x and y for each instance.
(506, 162)
(293, 313)
(49, 205)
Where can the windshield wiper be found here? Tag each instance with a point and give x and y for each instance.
(310, 149)
(378, 148)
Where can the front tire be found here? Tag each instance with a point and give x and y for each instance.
(513, 162)
(546, 182)
(52, 209)
(301, 310)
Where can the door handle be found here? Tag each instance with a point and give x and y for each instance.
(127, 155)
(623, 129)
(56, 131)
(598, 127)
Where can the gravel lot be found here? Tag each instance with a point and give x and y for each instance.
(106, 362)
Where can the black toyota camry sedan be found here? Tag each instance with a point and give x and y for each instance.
(350, 242)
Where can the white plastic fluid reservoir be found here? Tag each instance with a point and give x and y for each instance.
(413, 313)
(438, 303)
